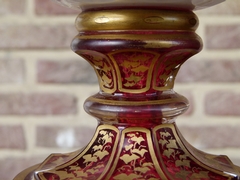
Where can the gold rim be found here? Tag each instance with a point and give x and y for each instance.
(135, 19)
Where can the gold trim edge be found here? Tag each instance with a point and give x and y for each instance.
(130, 19)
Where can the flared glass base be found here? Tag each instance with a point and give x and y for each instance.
(135, 153)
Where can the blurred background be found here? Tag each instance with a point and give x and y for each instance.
(43, 84)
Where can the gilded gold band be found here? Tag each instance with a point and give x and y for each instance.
(135, 19)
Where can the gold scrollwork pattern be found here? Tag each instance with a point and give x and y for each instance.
(136, 160)
(103, 69)
(131, 71)
(92, 163)
(167, 68)
(134, 69)
(178, 162)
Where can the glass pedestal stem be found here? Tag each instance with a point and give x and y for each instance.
(136, 54)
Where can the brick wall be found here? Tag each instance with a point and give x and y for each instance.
(43, 84)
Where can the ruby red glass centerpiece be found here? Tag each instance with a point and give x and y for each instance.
(136, 49)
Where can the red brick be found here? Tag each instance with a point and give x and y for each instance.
(228, 7)
(12, 137)
(37, 104)
(48, 7)
(223, 36)
(65, 72)
(12, 71)
(10, 167)
(63, 137)
(209, 137)
(9, 7)
(222, 103)
(36, 36)
(209, 71)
